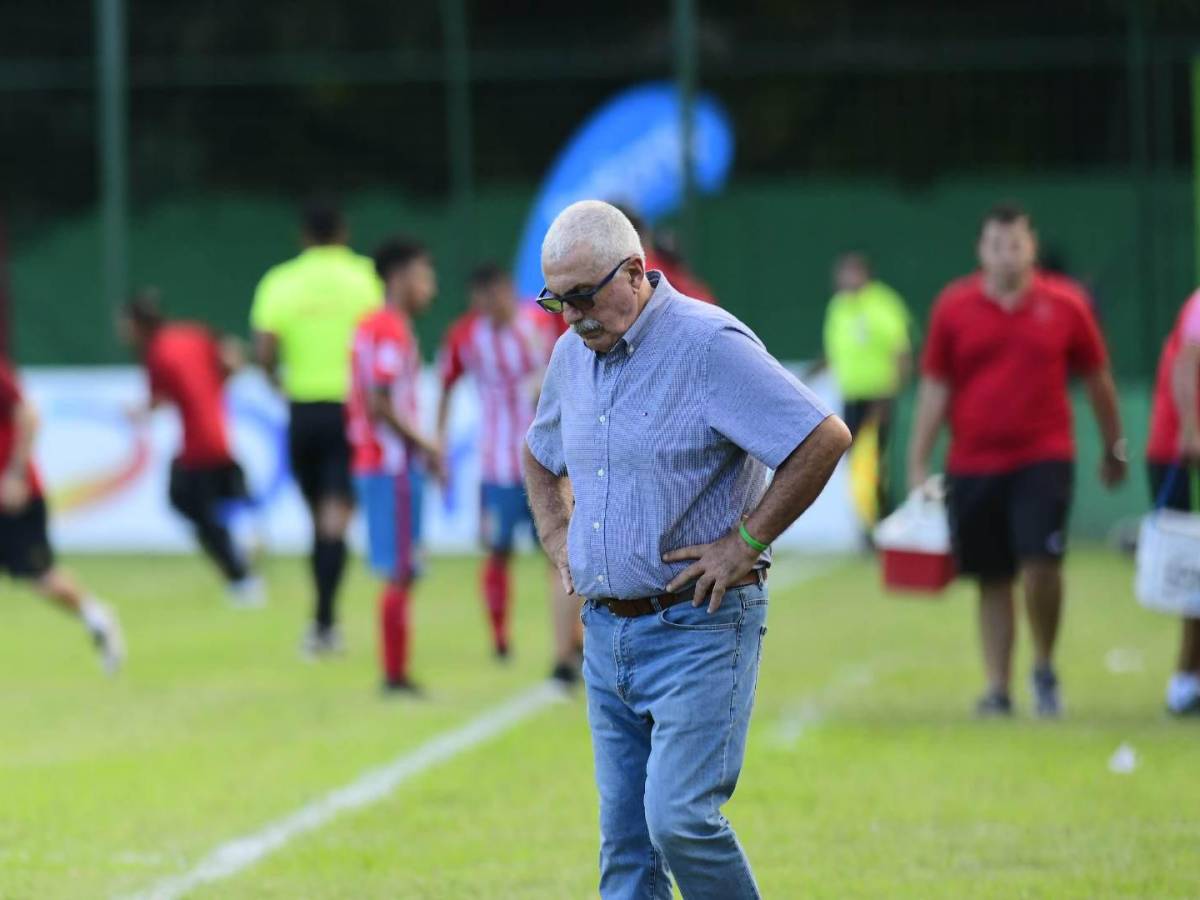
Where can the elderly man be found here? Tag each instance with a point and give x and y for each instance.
(646, 469)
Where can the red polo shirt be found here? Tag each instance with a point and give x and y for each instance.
(1008, 371)
(184, 366)
(10, 398)
(1165, 426)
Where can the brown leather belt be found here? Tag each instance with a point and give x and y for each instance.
(644, 606)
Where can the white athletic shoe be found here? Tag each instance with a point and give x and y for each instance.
(249, 593)
(322, 642)
(107, 636)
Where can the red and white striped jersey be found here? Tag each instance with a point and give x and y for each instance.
(385, 354)
(507, 363)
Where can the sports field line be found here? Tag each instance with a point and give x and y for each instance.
(241, 853)
(234, 856)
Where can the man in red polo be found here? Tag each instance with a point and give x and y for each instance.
(1003, 344)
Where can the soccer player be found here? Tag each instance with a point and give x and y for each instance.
(187, 367)
(304, 314)
(384, 432)
(1173, 456)
(25, 551)
(505, 350)
(1002, 345)
(663, 254)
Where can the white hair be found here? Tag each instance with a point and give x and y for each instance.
(597, 228)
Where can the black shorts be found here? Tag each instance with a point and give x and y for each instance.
(24, 543)
(855, 413)
(195, 488)
(1179, 497)
(999, 521)
(319, 452)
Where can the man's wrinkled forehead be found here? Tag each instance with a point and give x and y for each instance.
(577, 269)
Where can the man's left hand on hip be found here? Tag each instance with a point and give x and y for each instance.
(718, 565)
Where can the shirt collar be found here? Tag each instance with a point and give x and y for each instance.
(650, 314)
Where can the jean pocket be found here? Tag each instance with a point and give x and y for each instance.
(685, 617)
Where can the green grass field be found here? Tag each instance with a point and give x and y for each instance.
(865, 775)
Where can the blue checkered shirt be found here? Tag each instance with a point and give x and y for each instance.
(667, 439)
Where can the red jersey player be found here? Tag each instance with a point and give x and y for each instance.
(1173, 457)
(505, 350)
(386, 442)
(187, 368)
(25, 551)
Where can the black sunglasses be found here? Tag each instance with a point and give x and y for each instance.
(581, 300)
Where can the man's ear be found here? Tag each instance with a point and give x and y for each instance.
(636, 272)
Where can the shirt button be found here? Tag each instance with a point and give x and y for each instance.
(596, 525)
(600, 472)
(599, 577)
(602, 418)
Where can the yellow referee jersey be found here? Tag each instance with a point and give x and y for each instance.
(312, 304)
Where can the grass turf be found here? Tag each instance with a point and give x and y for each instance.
(865, 775)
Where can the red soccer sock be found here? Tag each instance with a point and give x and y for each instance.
(495, 595)
(393, 631)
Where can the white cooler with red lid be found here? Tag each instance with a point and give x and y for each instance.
(914, 543)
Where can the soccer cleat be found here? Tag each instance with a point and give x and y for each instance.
(406, 687)
(503, 654)
(994, 705)
(565, 674)
(321, 642)
(249, 593)
(109, 640)
(1190, 709)
(1045, 693)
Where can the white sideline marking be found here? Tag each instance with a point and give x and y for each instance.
(810, 711)
(240, 853)
(1123, 660)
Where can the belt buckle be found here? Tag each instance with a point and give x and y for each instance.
(611, 604)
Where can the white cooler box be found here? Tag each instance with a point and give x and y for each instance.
(914, 544)
(1168, 563)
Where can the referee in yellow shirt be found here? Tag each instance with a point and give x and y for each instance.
(868, 348)
(304, 314)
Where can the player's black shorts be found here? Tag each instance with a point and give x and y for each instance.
(194, 490)
(999, 521)
(1180, 494)
(24, 543)
(319, 453)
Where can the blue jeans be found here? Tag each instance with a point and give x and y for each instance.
(669, 700)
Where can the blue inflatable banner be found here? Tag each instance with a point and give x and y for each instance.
(628, 152)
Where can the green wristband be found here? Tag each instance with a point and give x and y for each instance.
(750, 541)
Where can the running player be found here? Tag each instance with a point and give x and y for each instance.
(25, 551)
(387, 443)
(187, 367)
(304, 315)
(506, 352)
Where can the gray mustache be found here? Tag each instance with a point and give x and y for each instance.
(585, 327)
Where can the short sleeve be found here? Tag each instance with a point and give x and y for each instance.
(387, 360)
(897, 321)
(937, 359)
(10, 391)
(753, 401)
(450, 360)
(1086, 352)
(544, 437)
(827, 334)
(1190, 326)
(265, 311)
